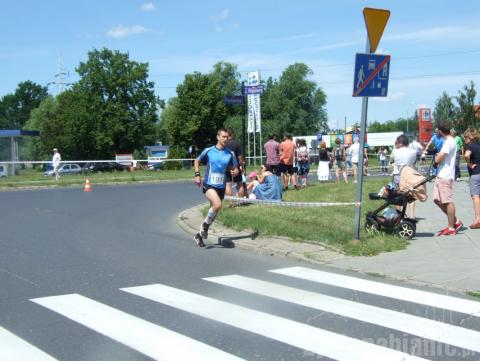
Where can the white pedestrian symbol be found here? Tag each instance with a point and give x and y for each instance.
(360, 76)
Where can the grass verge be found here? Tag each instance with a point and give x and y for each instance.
(332, 225)
(35, 178)
(475, 294)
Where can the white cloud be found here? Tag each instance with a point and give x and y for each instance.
(220, 18)
(121, 31)
(149, 7)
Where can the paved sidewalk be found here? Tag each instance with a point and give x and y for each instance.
(448, 262)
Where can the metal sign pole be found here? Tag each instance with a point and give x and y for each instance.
(363, 127)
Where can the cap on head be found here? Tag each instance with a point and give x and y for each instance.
(252, 175)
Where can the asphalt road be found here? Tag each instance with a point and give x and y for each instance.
(72, 263)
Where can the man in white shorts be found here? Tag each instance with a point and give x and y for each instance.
(443, 189)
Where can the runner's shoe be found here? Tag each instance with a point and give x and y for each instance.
(458, 225)
(199, 240)
(204, 230)
(447, 232)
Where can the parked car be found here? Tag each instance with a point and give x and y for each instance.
(104, 167)
(156, 166)
(71, 168)
(3, 170)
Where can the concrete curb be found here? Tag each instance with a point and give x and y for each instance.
(190, 219)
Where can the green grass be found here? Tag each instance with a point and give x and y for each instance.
(35, 178)
(332, 225)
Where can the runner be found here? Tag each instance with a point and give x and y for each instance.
(233, 146)
(219, 160)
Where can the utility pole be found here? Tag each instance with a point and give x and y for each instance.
(61, 76)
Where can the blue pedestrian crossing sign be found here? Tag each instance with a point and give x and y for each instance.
(371, 75)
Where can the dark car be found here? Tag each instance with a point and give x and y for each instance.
(104, 167)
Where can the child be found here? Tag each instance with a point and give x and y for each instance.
(252, 184)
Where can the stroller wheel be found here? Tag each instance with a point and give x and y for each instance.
(406, 229)
(372, 226)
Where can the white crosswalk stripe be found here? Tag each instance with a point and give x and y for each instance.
(306, 337)
(456, 304)
(152, 340)
(161, 343)
(425, 328)
(13, 348)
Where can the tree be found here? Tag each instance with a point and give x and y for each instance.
(120, 104)
(398, 125)
(445, 110)
(195, 114)
(193, 117)
(15, 108)
(294, 104)
(466, 112)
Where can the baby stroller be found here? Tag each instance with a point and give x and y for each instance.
(391, 215)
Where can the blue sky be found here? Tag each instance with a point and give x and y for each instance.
(434, 44)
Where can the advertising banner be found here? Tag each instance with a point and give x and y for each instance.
(424, 125)
(254, 116)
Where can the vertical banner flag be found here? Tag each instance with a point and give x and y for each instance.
(254, 117)
(251, 114)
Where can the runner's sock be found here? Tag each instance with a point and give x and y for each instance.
(210, 216)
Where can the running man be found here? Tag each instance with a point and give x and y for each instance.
(219, 160)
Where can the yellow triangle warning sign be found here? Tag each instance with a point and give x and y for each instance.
(375, 20)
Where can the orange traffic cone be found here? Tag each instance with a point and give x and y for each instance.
(87, 185)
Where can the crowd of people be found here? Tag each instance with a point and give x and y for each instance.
(288, 165)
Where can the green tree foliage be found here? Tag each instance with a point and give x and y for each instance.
(15, 108)
(293, 103)
(119, 104)
(445, 110)
(466, 112)
(195, 114)
(399, 125)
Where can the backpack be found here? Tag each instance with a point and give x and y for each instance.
(339, 153)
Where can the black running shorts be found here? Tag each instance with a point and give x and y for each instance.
(220, 191)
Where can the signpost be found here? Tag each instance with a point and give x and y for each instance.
(233, 99)
(371, 75)
(253, 89)
(375, 20)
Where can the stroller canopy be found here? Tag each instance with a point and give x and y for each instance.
(413, 184)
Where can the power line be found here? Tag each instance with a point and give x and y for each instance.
(463, 52)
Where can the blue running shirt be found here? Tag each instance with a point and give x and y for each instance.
(217, 160)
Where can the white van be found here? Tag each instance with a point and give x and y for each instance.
(3, 170)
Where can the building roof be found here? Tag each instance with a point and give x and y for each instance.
(9, 133)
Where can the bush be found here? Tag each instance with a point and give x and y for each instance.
(175, 153)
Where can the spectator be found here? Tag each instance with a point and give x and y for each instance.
(339, 160)
(234, 147)
(365, 160)
(417, 147)
(303, 162)
(287, 155)
(56, 163)
(272, 152)
(323, 163)
(348, 161)
(354, 153)
(252, 184)
(460, 151)
(403, 156)
(443, 189)
(382, 157)
(268, 187)
(472, 157)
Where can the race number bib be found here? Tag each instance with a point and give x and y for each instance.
(216, 178)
